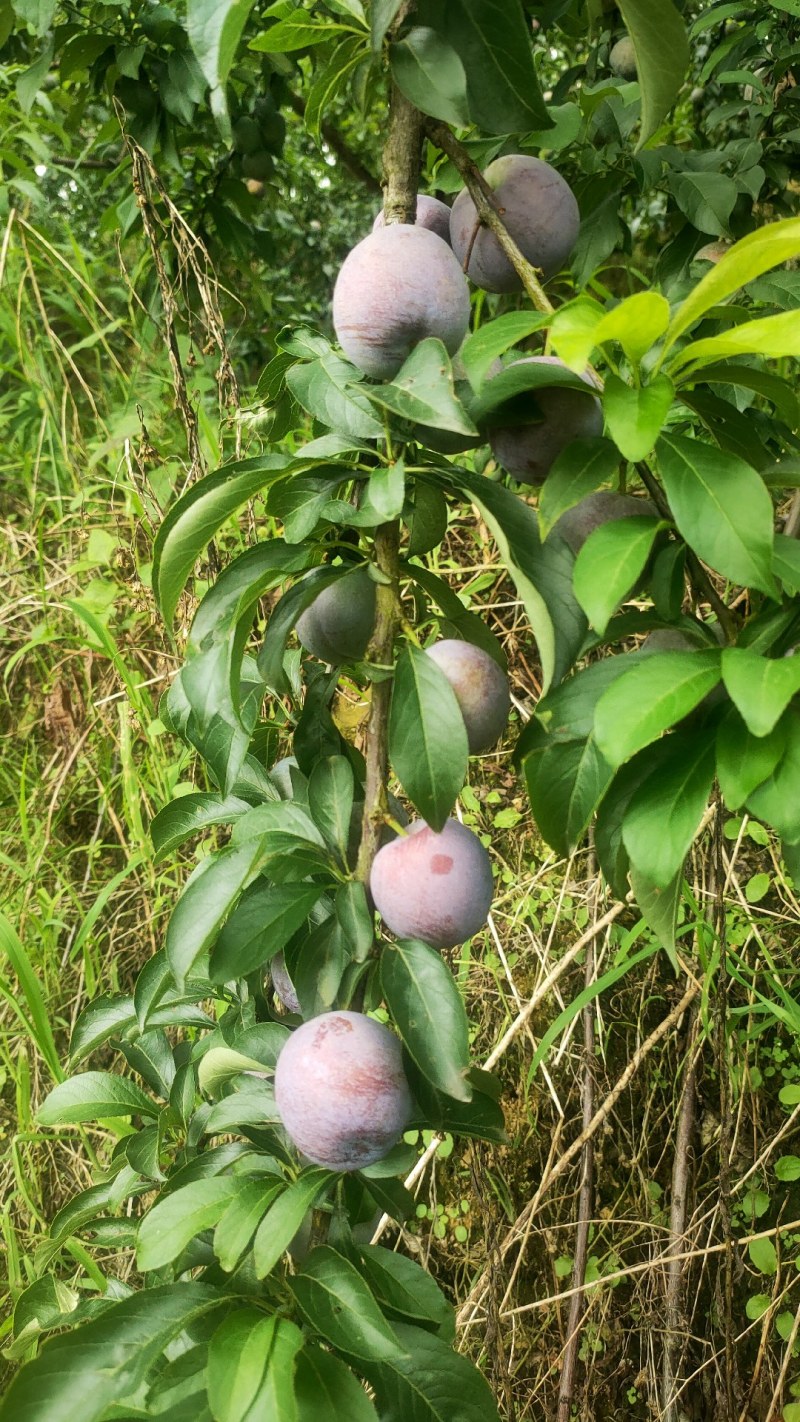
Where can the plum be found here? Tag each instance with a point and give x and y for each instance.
(604, 506)
(399, 285)
(539, 209)
(431, 213)
(558, 416)
(338, 624)
(436, 887)
(481, 690)
(341, 1091)
(283, 985)
(622, 59)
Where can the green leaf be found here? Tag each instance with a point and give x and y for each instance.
(330, 800)
(429, 1013)
(609, 565)
(199, 514)
(241, 1219)
(423, 390)
(769, 246)
(429, 72)
(296, 32)
(541, 573)
(581, 468)
(190, 814)
(659, 908)
(635, 415)
(248, 1106)
(787, 1167)
(283, 1219)
(427, 738)
(328, 84)
(650, 697)
(94, 1096)
(334, 1298)
(773, 336)
(707, 199)
(493, 43)
(519, 378)
(37, 1020)
(745, 761)
(214, 28)
(405, 1288)
(325, 1387)
(636, 323)
(329, 388)
(721, 508)
(786, 562)
(207, 898)
(665, 811)
(493, 338)
(80, 1374)
(177, 1218)
(432, 1383)
(260, 927)
(565, 782)
(382, 12)
(386, 490)
(763, 1256)
(250, 1367)
(777, 800)
(355, 919)
(662, 57)
(760, 687)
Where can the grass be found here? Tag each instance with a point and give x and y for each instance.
(85, 764)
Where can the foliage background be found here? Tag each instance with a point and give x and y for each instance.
(92, 454)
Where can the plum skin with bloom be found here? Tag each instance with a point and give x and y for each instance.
(341, 1091)
(435, 887)
(480, 688)
(338, 624)
(559, 416)
(540, 212)
(431, 213)
(398, 286)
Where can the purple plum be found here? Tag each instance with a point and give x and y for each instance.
(341, 1091)
(339, 622)
(431, 213)
(603, 506)
(539, 209)
(481, 690)
(399, 285)
(558, 416)
(436, 887)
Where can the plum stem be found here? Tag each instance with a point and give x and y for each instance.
(488, 210)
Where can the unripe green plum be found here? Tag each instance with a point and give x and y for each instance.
(539, 209)
(436, 887)
(341, 1091)
(338, 625)
(283, 985)
(431, 213)
(259, 165)
(558, 416)
(622, 59)
(246, 135)
(398, 286)
(603, 506)
(481, 690)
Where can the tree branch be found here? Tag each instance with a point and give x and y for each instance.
(490, 214)
(402, 158)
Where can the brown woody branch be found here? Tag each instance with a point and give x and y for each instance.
(490, 214)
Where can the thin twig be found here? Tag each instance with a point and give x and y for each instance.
(488, 210)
